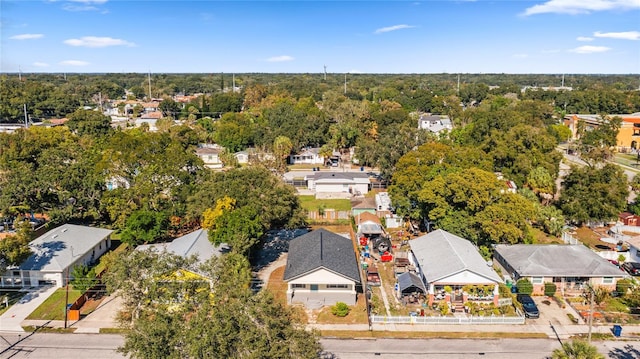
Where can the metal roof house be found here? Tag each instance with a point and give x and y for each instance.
(332, 184)
(322, 269)
(570, 267)
(55, 253)
(443, 259)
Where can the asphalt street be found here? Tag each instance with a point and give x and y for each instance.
(103, 346)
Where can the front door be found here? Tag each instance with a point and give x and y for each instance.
(314, 287)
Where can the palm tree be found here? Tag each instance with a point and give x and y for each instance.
(577, 349)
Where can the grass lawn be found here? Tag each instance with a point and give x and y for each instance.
(278, 288)
(357, 314)
(310, 203)
(53, 308)
(539, 237)
(587, 236)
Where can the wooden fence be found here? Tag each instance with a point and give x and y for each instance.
(328, 215)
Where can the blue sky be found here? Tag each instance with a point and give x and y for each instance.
(481, 36)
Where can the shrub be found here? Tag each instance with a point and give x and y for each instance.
(524, 286)
(549, 289)
(340, 309)
(573, 319)
(622, 286)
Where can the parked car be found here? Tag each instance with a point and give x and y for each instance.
(528, 306)
(632, 268)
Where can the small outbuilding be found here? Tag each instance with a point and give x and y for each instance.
(409, 284)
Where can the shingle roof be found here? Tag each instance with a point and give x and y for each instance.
(195, 243)
(60, 247)
(442, 254)
(321, 249)
(408, 280)
(556, 260)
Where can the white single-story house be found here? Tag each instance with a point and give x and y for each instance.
(443, 260)
(322, 269)
(55, 253)
(434, 123)
(570, 267)
(307, 156)
(210, 156)
(341, 184)
(195, 243)
(634, 249)
(242, 157)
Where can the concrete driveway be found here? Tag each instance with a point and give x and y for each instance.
(104, 316)
(11, 320)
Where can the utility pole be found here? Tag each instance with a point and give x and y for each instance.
(100, 100)
(149, 86)
(19, 73)
(66, 300)
(592, 292)
(458, 85)
(325, 72)
(233, 83)
(345, 84)
(26, 117)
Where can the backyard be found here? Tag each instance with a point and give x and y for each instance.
(310, 203)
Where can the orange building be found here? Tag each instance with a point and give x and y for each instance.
(628, 136)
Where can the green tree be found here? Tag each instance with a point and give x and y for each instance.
(282, 147)
(576, 349)
(145, 226)
(15, 249)
(549, 289)
(83, 277)
(594, 194)
(89, 122)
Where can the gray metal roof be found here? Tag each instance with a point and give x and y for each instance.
(408, 279)
(321, 249)
(442, 254)
(331, 176)
(60, 247)
(556, 260)
(195, 243)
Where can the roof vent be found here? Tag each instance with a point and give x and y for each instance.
(54, 236)
(64, 229)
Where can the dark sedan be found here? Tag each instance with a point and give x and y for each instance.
(632, 268)
(528, 306)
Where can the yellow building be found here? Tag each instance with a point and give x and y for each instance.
(628, 135)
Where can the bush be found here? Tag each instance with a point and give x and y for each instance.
(340, 309)
(573, 319)
(524, 286)
(549, 289)
(622, 286)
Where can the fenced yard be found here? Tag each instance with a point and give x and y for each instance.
(382, 319)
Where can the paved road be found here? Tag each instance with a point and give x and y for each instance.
(102, 346)
(463, 348)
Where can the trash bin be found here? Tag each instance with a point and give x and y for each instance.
(617, 330)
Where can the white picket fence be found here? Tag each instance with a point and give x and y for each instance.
(382, 319)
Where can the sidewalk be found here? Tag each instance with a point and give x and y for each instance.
(11, 320)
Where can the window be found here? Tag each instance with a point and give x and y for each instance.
(607, 280)
(537, 280)
(294, 286)
(337, 286)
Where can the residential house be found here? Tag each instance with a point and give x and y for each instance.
(366, 205)
(55, 253)
(629, 219)
(322, 269)
(242, 157)
(196, 243)
(570, 267)
(333, 184)
(444, 260)
(210, 156)
(150, 119)
(434, 123)
(634, 249)
(307, 156)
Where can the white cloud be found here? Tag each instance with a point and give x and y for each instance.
(520, 56)
(584, 38)
(97, 2)
(626, 35)
(74, 63)
(355, 71)
(82, 5)
(94, 41)
(392, 28)
(40, 64)
(581, 6)
(26, 36)
(281, 58)
(590, 49)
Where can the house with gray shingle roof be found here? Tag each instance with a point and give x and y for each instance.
(570, 267)
(443, 259)
(322, 269)
(55, 253)
(196, 243)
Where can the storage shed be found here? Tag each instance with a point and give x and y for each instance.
(410, 283)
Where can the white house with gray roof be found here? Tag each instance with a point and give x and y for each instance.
(570, 267)
(55, 253)
(310, 156)
(443, 259)
(322, 269)
(332, 184)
